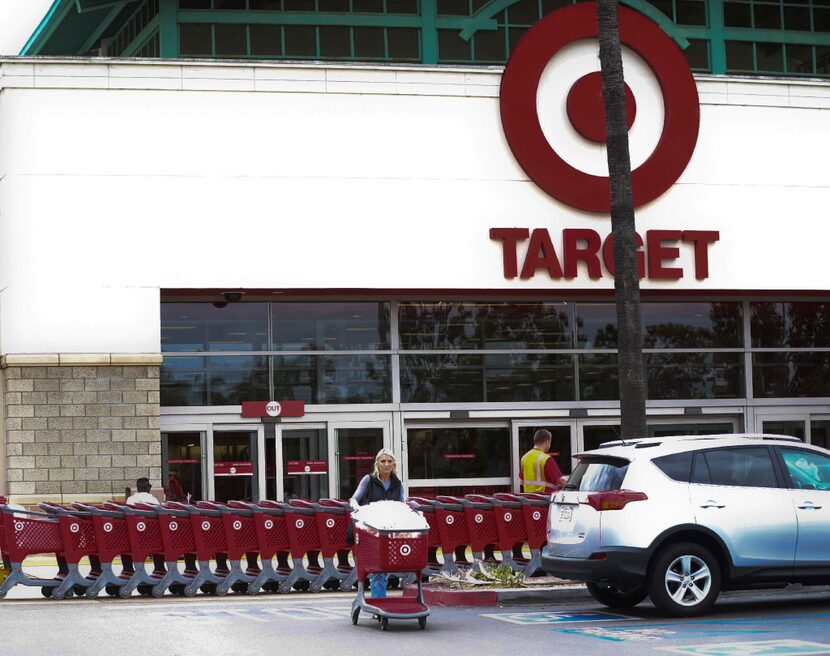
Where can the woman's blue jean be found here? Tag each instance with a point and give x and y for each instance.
(377, 585)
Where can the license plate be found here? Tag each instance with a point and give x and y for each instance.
(566, 514)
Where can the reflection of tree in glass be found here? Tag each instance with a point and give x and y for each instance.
(234, 386)
(791, 325)
(457, 325)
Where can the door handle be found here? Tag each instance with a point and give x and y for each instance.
(712, 504)
(809, 505)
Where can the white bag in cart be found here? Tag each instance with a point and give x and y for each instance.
(390, 516)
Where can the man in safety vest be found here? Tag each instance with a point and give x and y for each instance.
(539, 471)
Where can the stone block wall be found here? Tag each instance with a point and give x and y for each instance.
(82, 431)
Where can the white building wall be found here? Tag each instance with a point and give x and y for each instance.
(117, 180)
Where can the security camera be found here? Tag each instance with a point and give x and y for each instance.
(232, 297)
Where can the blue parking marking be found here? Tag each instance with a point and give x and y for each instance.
(713, 628)
(761, 648)
(560, 617)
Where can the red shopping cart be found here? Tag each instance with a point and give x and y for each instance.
(22, 534)
(535, 511)
(427, 509)
(272, 537)
(112, 541)
(481, 525)
(144, 534)
(333, 518)
(241, 540)
(78, 537)
(510, 524)
(301, 522)
(384, 551)
(455, 536)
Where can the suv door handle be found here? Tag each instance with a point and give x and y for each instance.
(809, 505)
(712, 504)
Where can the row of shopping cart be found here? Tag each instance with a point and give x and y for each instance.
(248, 547)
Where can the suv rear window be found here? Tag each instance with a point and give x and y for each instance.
(598, 475)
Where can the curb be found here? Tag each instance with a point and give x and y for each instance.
(503, 597)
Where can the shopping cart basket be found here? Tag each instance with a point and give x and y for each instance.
(383, 550)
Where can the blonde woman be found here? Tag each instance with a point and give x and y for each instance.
(382, 484)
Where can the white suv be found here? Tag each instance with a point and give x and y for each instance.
(679, 519)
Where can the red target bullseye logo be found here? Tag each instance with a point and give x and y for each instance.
(585, 111)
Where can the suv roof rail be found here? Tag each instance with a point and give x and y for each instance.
(767, 436)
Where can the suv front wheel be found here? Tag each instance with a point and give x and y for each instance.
(615, 596)
(685, 580)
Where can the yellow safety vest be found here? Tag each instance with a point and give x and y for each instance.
(533, 472)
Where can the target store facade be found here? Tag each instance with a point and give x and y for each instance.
(242, 248)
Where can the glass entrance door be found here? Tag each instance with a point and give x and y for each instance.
(182, 460)
(356, 451)
(562, 445)
(234, 465)
(305, 464)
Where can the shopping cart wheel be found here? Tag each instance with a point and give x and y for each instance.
(271, 586)
(240, 586)
(145, 590)
(124, 592)
(111, 590)
(422, 622)
(47, 591)
(157, 592)
(384, 623)
(79, 590)
(302, 586)
(177, 589)
(355, 614)
(208, 588)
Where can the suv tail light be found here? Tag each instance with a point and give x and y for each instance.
(614, 500)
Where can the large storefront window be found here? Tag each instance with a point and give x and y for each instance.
(320, 352)
(485, 352)
(329, 326)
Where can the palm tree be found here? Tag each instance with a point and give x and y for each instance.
(626, 280)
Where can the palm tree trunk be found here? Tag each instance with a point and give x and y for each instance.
(626, 280)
